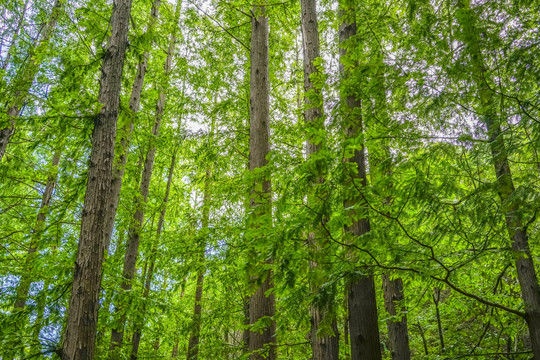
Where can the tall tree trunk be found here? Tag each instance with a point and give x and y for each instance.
(136, 340)
(511, 205)
(21, 85)
(195, 333)
(262, 302)
(324, 343)
(27, 277)
(124, 136)
(82, 314)
(134, 232)
(436, 300)
(398, 336)
(363, 319)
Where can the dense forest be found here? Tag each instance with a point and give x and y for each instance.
(299, 179)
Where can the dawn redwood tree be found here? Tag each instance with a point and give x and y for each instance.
(324, 344)
(511, 205)
(262, 343)
(124, 137)
(99, 207)
(362, 301)
(23, 81)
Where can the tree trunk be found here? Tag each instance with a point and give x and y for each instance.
(23, 82)
(436, 300)
(149, 277)
(82, 314)
(398, 337)
(195, 333)
(262, 304)
(27, 277)
(511, 205)
(363, 319)
(124, 136)
(324, 344)
(134, 232)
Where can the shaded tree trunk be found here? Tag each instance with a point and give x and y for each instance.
(324, 344)
(511, 205)
(13, 43)
(261, 304)
(82, 313)
(436, 300)
(22, 84)
(363, 319)
(398, 336)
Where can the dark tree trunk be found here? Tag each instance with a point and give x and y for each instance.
(363, 319)
(436, 300)
(511, 206)
(82, 313)
(324, 346)
(261, 343)
(23, 82)
(398, 337)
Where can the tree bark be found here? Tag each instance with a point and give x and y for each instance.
(262, 303)
(398, 337)
(436, 300)
(363, 319)
(511, 206)
(82, 313)
(126, 130)
(22, 84)
(13, 42)
(134, 232)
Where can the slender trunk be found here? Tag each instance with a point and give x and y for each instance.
(174, 354)
(363, 319)
(21, 85)
(27, 277)
(262, 302)
(138, 326)
(423, 336)
(124, 136)
(324, 345)
(134, 232)
(436, 300)
(346, 316)
(511, 205)
(398, 337)
(82, 314)
(194, 336)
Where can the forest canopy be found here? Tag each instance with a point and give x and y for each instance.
(299, 179)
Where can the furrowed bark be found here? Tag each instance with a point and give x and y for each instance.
(262, 302)
(82, 313)
(363, 319)
(22, 84)
(124, 136)
(511, 206)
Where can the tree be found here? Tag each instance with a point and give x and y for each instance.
(98, 208)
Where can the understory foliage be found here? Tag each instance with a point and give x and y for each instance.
(438, 219)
